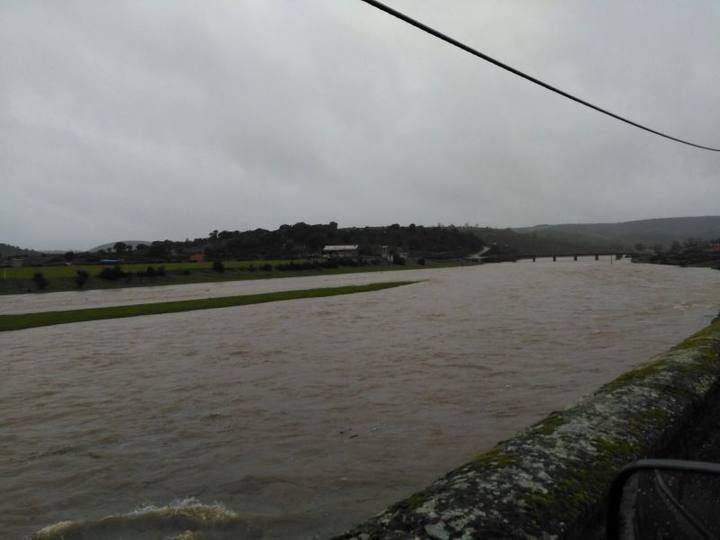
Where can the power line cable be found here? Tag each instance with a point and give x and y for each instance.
(483, 56)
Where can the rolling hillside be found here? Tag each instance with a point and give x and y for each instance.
(628, 233)
(6, 250)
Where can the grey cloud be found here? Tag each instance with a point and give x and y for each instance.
(169, 119)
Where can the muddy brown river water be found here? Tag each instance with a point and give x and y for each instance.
(298, 419)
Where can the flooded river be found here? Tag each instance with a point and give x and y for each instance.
(298, 419)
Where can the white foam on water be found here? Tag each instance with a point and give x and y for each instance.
(183, 519)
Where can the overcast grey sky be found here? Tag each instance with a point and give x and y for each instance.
(167, 119)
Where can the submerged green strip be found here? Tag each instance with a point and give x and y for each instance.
(31, 320)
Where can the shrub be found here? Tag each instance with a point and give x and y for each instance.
(267, 267)
(421, 262)
(81, 277)
(160, 271)
(40, 282)
(112, 273)
(218, 266)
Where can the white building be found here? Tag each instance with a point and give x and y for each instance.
(349, 251)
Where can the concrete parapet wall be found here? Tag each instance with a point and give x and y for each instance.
(551, 481)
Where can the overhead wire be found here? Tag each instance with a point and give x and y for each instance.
(444, 37)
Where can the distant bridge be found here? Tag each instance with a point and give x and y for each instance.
(614, 255)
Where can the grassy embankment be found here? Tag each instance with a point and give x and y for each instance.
(32, 320)
(62, 278)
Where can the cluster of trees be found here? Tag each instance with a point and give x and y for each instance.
(154, 251)
(301, 240)
(691, 252)
(689, 245)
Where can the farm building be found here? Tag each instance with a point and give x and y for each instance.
(342, 252)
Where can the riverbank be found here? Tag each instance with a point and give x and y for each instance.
(64, 278)
(694, 259)
(23, 321)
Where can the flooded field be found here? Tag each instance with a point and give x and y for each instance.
(28, 303)
(298, 419)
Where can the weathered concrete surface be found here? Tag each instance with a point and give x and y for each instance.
(550, 482)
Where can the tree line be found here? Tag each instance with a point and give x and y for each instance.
(303, 240)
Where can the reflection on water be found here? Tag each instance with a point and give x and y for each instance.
(304, 417)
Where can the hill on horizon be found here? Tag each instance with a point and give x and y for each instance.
(110, 245)
(7, 250)
(646, 231)
(558, 238)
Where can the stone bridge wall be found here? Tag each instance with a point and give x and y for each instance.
(550, 481)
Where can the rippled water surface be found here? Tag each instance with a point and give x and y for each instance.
(301, 418)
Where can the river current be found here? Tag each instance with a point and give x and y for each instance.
(299, 419)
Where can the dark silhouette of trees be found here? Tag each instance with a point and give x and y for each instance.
(120, 248)
(158, 251)
(302, 239)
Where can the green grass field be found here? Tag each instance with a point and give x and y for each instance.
(63, 271)
(48, 318)
(61, 278)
